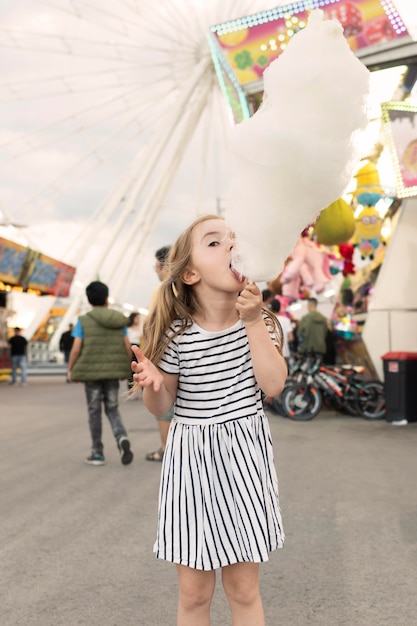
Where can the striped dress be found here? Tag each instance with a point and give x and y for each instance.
(218, 499)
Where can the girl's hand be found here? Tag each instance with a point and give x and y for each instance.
(249, 304)
(144, 371)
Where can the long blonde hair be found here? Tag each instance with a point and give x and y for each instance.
(176, 300)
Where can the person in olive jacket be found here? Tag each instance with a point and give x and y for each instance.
(100, 357)
(312, 331)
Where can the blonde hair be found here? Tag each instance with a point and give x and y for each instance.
(176, 301)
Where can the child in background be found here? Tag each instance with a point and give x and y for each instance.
(210, 348)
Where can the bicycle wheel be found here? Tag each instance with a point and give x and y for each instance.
(273, 403)
(301, 402)
(371, 401)
(276, 403)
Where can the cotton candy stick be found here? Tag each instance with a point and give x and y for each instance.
(299, 151)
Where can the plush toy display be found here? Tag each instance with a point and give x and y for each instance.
(367, 182)
(336, 224)
(346, 252)
(308, 267)
(368, 232)
(368, 222)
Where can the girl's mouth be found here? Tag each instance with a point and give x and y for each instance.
(237, 275)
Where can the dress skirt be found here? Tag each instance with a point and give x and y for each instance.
(218, 499)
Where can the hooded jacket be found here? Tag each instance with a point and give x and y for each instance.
(312, 333)
(103, 354)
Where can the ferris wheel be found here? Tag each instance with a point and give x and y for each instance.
(102, 103)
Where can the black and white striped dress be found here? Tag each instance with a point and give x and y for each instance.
(218, 500)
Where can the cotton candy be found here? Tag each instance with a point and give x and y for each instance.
(299, 151)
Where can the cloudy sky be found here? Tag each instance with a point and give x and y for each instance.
(92, 104)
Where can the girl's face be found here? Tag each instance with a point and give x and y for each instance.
(211, 257)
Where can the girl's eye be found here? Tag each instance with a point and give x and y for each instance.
(214, 243)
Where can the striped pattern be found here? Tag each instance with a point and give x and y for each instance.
(219, 491)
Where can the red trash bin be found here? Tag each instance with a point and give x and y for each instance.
(400, 384)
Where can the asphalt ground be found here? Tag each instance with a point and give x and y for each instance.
(76, 541)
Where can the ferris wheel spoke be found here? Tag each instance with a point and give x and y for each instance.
(99, 10)
(141, 108)
(142, 226)
(131, 6)
(159, 145)
(169, 21)
(74, 173)
(79, 12)
(67, 45)
(33, 80)
(152, 203)
(69, 89)
(81, 117)
(30, 144)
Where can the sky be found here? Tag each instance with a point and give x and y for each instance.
(92, 100)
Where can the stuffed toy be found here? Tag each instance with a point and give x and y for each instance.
(367, 182)
(335, 224)
(308, 267)
(368, 222)
(368, 232)
(346, 252)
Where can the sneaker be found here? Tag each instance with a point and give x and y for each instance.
(126, 454)
(95, 459)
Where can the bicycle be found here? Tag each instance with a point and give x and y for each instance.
(344, 388)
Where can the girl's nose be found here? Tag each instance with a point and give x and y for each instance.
(230, 240)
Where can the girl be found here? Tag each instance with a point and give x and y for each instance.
(209, 350)
(134, 333)
(134, 328)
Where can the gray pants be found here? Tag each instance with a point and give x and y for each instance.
(106, 392)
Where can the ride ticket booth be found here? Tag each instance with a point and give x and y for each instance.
(400, 376)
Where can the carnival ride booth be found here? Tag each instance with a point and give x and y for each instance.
(31, 286)
(358, 259)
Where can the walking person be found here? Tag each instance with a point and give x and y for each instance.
(134, 333)
(209, 350)
(66, 341)
(286, 327)
(18, 347)
(100, 357)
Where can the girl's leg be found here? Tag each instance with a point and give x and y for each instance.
(241, 586)
(196, 590)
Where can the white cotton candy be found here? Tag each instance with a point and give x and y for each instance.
(299, 151)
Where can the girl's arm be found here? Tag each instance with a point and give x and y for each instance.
(269, 366)
(159, 388)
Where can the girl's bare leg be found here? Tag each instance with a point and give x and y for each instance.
(241, 586)
(196, 590)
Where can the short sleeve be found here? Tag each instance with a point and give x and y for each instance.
(77, 332)
(170, 362)
(286, 324)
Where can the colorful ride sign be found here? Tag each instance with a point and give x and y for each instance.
(29, 269)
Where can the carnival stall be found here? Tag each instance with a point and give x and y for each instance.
(30, 283)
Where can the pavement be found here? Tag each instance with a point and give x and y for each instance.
(76, 541)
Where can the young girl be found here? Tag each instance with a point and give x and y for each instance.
(210, 348)
(134, 333)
